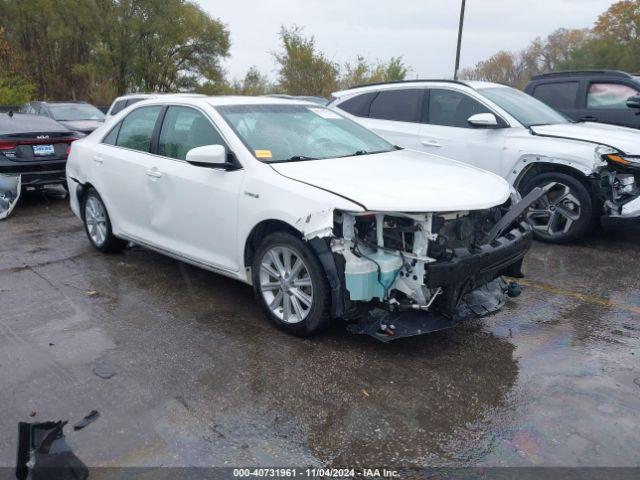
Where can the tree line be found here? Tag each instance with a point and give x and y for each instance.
(612, 43)
(95, 50)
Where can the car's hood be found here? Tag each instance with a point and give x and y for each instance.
(622, 138)
(402, 181)
(85, 126)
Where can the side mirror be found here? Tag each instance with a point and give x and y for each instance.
(483, 120)
(633, 102)
(212, 156)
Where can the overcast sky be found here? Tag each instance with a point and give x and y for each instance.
(422, 31)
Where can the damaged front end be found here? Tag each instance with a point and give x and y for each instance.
(10, 188)
(405, 274)
(617, 183)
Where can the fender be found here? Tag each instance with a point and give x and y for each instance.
(525, 163)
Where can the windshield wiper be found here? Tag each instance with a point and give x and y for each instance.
(299, 158)
(358, 153)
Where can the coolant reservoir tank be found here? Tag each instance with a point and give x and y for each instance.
(361, 273)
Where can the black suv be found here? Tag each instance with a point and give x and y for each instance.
(605, 96)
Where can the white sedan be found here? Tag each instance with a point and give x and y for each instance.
(323, 217)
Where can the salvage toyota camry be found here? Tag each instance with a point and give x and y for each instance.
(323, 217)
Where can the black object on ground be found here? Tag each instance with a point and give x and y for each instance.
(90, 418)
(43, 453)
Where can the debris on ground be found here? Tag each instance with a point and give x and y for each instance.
(104, 372)
(90, 418)
(43, 453)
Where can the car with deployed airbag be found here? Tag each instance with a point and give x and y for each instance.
(323, 217)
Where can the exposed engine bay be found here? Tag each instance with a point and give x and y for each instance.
(427, 271)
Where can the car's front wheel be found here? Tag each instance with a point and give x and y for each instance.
(97, 223)
(564, 213)
(291, 285)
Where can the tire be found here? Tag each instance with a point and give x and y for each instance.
(565, 213)
(97, 224)
(304, 305)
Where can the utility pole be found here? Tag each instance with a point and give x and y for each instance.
(455, 73)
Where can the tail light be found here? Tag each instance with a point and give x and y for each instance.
(70, 140)
(5, 145)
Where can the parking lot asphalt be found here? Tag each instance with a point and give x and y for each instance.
(202, 379)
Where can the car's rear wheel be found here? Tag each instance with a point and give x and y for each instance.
(564, 213)
(291, 285)
(98, 225)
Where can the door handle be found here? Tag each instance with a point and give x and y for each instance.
(154, 173)
(98, 159)
(431, 143)
(588, 118)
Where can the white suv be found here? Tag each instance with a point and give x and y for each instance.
(323, 217)
(590, 171)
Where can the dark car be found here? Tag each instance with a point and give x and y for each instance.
(33, 153)
(77, 116)
(604, 96)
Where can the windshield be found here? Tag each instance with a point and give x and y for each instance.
(524, 108)
(71, 111)
(280, 133)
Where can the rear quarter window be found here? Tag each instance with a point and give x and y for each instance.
(561, 95)
(358, 105)
(118, 107)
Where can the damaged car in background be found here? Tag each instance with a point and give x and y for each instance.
(590, 172)
(323, 217)
(33, 154)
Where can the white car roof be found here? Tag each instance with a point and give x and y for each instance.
(249, 100)
(231, 100)
(158, 95)
(476, 85)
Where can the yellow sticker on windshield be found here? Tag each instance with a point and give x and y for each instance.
(263, 154)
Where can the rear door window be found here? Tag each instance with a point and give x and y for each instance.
(137, 128)
(400, 105)
(185, 128)
(609, 95)
(561, 96)
(449, 108)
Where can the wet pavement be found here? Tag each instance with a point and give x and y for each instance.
(202, 379)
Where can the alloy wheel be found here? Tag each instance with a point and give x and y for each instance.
(96, 220)
(556, 211)
(285, 284)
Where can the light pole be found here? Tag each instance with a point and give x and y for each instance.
(455, 73)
